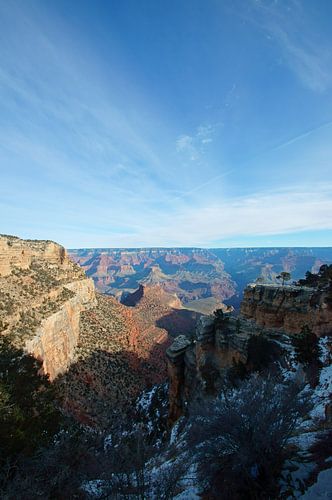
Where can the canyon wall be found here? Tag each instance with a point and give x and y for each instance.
(224, 344)
(42, 293)
(17, 253)
(289, 308)
(197, 366)
(54, 342)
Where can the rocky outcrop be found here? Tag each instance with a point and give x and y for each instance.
(177, 375)
(55, 341)
(131, 299)
(289, 308)
(197, 366)
(270, 314)
(42, 293)
(19, 254)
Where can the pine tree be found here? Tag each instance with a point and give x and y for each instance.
(306, 346)
(284, 276)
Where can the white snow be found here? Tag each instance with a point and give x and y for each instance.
(145, 400)
(93, 488)
(322, 392)
(322, 488)
(325, 356)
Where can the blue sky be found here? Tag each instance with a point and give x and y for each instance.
(166, 123)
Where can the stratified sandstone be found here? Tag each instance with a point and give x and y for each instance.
(19, 254)
(42, 293)
(54, 342)
(100, 354)
(197, 367)
(289, 308)
(121, 351)
(191, 273)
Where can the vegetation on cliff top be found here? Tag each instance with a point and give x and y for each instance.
(322, 279)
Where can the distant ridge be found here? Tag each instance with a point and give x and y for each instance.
(216, 274)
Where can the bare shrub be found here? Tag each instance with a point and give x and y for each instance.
(240, 438)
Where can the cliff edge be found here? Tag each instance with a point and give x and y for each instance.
(288, 307)
(42, 293)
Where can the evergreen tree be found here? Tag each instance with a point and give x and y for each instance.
(284, 276)
(306, 346)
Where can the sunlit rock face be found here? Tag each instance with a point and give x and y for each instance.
(99, 353)
(54, 342)
(211, 275)
(289, 308)
(42, 295)
(191, 273)
(19, 254)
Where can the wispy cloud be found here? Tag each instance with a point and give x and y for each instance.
(303, 47)
(290, 210)
(193, 147)
(185, 144)
(86, 156)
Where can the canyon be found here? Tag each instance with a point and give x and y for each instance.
(105, 357)
(102, 350)
(99, 354)
(42, 293)
(288, 308)
(202, 279)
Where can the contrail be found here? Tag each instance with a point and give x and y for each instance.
(283, 145)
(200, 186)
(301, 136)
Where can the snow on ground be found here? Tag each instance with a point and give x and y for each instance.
(304, 440)
(145, 400)
(325, 356)
(93, 488)
(299, 470)
(322, 392)
(321, 489)
(190, 493)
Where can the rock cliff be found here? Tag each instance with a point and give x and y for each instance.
(99, 353)
(197, 366)
(19, 254)
(270, 314)
(42, 293)
(191, 273)
(55, 340)
(121, 351)
(289, 308)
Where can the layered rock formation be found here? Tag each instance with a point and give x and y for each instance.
(197, 366)
(217, 274)
(191, 273)
(42, 295)
(19, 254)
(289, 308)
(121, 351)
(99, 353)
(222, 343)
(55, 340)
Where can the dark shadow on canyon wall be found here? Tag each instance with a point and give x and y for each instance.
(99, 391)
(29, 415)
(102, 386)
(179, 322)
